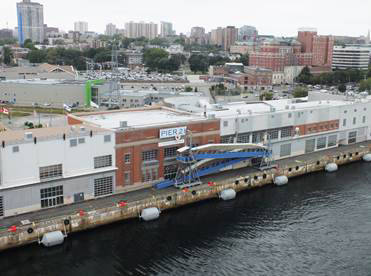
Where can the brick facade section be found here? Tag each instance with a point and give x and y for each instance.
(146, 138)
(318, 127)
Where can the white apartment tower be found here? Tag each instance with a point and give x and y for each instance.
(141, 29)
(166, 29)
(111, 29)
(81, 27)
(30, 21)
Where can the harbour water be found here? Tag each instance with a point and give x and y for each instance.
(319, 224)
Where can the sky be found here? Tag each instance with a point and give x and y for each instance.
(270, 17)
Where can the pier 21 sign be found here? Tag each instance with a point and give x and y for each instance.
(176, 132)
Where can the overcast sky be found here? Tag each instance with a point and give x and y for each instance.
(276, 17)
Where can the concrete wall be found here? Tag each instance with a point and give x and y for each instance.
(22, 167)
(27, 198)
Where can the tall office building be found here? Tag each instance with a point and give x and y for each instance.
(166, 29)
(198, 35)
(321, 46)
(30, 21)
(111, 29)
(141, 29)
(81, 27)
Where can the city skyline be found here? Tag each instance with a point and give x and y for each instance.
(270, 17)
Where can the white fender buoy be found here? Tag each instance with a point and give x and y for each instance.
(150, 214)
(367, 157)
(52, 238)
(281, 180)
(331, 167)
(228, 194)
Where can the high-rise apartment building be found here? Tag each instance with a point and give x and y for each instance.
(320, 46)
(30, 21)
(247, 33)
(81, 27)
(166, 29)
(141, 29)
(111, 29)
(230, 37)
(198, 35)
(224, 37)
(217, 37)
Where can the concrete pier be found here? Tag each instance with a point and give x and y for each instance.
(91, 214)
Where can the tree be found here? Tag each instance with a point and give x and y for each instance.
(342, 88)
(267, 96)
(198, 63)
(188, 89)
(365, 85)
(305, 76)
(28, 44)
(37, 56)
(300, 92)
(153, 56)
(7, 55)
(244, 59)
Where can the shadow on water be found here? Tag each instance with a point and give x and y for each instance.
(299, 228)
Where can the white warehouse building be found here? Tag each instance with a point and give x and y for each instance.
(43, 168)
(289, 128)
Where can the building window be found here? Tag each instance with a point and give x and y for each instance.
(170, 152)
(344, 122)
(273, 134)
(103, 186)
(225, 123)
(354, 120)
(170, 171)
(352, 137)
(127, 178)
(127, 158)
(321, 143)
(16, 149)
(81, 140)
(1, 206)
(102, 161)
(286, 132)
(149, 174)
(243, 138)
(52, 171)
(332, 141)
(149, 155)
(364, 119)
(52, 196)
(310, 145)
(285, 150)
(73, 142)
(226, 139)
(107, 138)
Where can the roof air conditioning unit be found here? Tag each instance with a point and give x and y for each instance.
(28, 136)
(123, 124)
(287, 107)
(82, 129)
(211, 116)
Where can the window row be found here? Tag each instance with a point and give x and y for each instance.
(103, 186)
(52, 171)
(102, 161)
(149, 174)
(1, 206)
(51, 192)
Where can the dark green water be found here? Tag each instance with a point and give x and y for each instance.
(317, 225)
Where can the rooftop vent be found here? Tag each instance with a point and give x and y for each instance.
(123, 124)
(28, 136)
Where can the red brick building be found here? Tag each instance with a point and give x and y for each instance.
(260, 78)
(320, 46)
(147, 140)
(277, 54)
